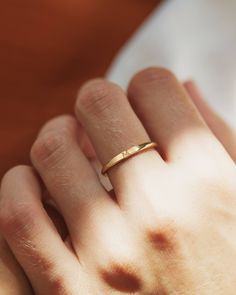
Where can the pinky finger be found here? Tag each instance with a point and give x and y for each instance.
(32, 237)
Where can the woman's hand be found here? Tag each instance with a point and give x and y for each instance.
(169, 227)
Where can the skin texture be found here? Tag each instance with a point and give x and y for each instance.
(12, 278)
(174, 208)
(48, 49)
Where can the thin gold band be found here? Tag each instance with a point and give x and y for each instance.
(128, 154)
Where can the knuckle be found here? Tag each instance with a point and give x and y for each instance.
(17, 219)
(13, 174)
(96, 96)
(12, 214)
(51, 147)
(149, 75)
(67, 122)
(63, 121)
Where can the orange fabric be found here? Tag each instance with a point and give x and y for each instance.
(47, 49)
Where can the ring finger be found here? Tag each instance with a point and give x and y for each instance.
(113, 127)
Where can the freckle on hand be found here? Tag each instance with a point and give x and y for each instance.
(122, 280)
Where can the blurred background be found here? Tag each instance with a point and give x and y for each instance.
(48, 48)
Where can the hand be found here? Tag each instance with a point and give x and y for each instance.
(169, 227)
(12, 279)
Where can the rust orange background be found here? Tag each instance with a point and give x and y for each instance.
(47, 49)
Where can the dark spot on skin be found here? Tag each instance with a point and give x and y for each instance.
(122, 280)
(161, 241)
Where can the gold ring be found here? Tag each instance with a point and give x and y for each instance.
(128, 154)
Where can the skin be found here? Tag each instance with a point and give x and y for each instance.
(12, 278)
(170, 218)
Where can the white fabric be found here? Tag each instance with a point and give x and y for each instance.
(194, 38)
